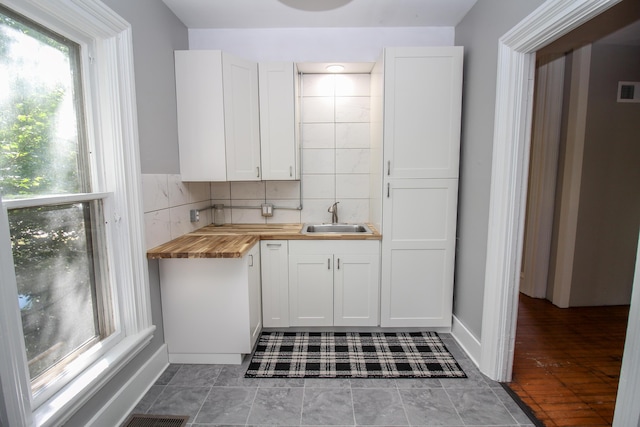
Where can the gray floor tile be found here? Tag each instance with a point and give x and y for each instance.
(167, 374)
(178, 400)
(480, 407)
(418, 383)
(378, 407)
(327, 406)
(196, 375)
(147, 400)
(327, 382)
(281, 382)
(429, 407)
(233, 376)
(513, 408)
(277, 406)
(227, 405)
(373, 383)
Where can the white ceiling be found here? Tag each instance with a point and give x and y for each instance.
(319, 13)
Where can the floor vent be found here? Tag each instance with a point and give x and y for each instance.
(138, 420)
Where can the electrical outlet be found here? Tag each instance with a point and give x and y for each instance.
(194, 215)
(267, 209)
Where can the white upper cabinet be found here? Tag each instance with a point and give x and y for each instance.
(279, 121)
(218, 119)
(422, 105)
(200, 108)
(241, 118)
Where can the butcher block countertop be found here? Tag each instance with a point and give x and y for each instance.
(235, 240)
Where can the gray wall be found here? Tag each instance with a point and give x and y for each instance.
(478, 32)
(156, 33)
(607, 230)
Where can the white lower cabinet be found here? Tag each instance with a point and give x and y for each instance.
(334, 283)
(211, 307)
(418, 253)
(274, 257)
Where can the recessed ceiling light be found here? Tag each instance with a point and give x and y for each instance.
(334, 68)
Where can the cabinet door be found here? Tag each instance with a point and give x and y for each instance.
(356, 289)
(242, 138)
(255, 294)
(278, 143)
(310, 289)
(422, 104)
(274, 259)
(200, 115)
(418, 252)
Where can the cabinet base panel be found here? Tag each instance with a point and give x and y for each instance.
(206, 359)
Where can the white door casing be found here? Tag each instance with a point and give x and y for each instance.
(510, 161)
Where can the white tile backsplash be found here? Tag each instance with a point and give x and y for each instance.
(318, 109)
(318, 85)
(352, 109)
(248, 190)
(318, 135)
(157, 227)
(352, 186)
(352, 161)
(221, 190)
(318, 161)
(247, 216)
(315, 210)
(353, 135)
(178, 191)
(155, 192)
(353, 85)
(282, 190)
(335, 149)
(334, 163)
(319, 186)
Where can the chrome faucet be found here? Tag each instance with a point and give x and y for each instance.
(333, 209)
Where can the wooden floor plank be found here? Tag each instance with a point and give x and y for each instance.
(567, 361)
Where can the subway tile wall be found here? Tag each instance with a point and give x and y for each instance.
(335, 146)
(335, 168)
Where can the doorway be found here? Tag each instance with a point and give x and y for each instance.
(509, 177)
(567, 360)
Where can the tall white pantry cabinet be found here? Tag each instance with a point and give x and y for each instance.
(420, 97)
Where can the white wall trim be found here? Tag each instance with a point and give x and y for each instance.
(112, 122)
(118, 408)
(509, 171)
(572, 176)
(465, 339)
(627, 411)
(545, 149)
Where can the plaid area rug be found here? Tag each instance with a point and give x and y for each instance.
(352, 355)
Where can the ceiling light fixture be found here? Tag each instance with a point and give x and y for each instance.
(335, 68)
(315, 5)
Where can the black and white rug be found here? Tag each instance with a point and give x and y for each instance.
(352, 355)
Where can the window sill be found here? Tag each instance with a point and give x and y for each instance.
(67, 401)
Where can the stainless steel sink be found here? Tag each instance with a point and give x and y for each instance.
(336, 228)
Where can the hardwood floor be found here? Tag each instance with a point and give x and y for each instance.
(567, 361)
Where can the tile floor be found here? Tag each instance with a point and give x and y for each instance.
(214, 395)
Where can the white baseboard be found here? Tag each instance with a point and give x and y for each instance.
(466, 340)
(118, 408)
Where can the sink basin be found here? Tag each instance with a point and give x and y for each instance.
(336, 228)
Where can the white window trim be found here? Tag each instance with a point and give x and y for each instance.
(114, 125)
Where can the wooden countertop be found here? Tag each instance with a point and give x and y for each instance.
(235, 240)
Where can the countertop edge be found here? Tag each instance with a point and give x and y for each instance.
(238, 240)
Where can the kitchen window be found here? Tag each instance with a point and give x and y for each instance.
(74, 295)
